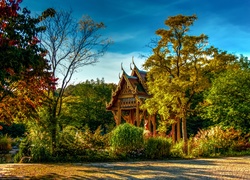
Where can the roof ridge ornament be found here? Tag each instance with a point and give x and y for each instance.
(122, 67)
(132, 63)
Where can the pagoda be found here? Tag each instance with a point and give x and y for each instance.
(130, 94)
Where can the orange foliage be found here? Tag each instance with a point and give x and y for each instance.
(28, 94)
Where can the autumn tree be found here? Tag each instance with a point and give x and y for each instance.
(70, 45)
(22, 62)
(179, 68)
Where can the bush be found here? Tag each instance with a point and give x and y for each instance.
(5, 144)
(82, 145)
(126, 138)
(157, 147)
(176, 150)
(24, 150)
(36, 146)
(214, 141)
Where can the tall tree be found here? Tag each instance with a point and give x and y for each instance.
(22, 62)
(179, 68)
(228, 101)
(71, 45)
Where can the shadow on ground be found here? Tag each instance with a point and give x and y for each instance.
(223, 168)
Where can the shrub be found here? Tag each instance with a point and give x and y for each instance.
(24, 150)
(81, 145)
(157, 147)
(126, 138)
(214, 141)
(5, 144)
(35, 145)
(176, 150)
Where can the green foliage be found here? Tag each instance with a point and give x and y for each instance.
(40, 146)
(36, 145)
(74, 145)
(228, 101)
(5, 144)
(176, 150)
(19, 48)
(179, 69)
(84, 104)
(24, 149)
(126, 138)
(214, 141)
(82, 145)
(157, 148)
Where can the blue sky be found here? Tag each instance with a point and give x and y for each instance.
(131, 24)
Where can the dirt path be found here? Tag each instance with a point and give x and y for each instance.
(219, 168)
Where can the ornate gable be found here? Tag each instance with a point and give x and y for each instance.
(141, 75)
(129, 88)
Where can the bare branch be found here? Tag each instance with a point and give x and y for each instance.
(72, 45)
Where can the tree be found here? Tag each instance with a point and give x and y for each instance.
(180, 67)
(227, 103)
(22, 62)
(70, 45)
(84, 104)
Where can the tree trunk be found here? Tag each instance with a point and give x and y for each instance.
(178, 129)
(53, 128)
(53, 135)
(173, 133)
(184, 134)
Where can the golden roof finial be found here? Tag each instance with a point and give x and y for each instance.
(122, 67)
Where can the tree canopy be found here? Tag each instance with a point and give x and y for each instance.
(228, 101)
(179, 68)
(22, 62)
(84, 105)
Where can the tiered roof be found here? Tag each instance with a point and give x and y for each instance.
(133, 85)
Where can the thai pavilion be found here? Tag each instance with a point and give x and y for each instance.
(130, 94)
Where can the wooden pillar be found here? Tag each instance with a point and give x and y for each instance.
(131, 116)
(173, 132)
(115, 117)
(119, 113)
(150, 123)
(153, 120)
(178, 129)
(137, 114)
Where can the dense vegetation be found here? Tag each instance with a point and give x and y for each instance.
(208, 89)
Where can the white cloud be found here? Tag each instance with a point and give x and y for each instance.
(108, 67)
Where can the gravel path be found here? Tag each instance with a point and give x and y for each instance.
(212, 168)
